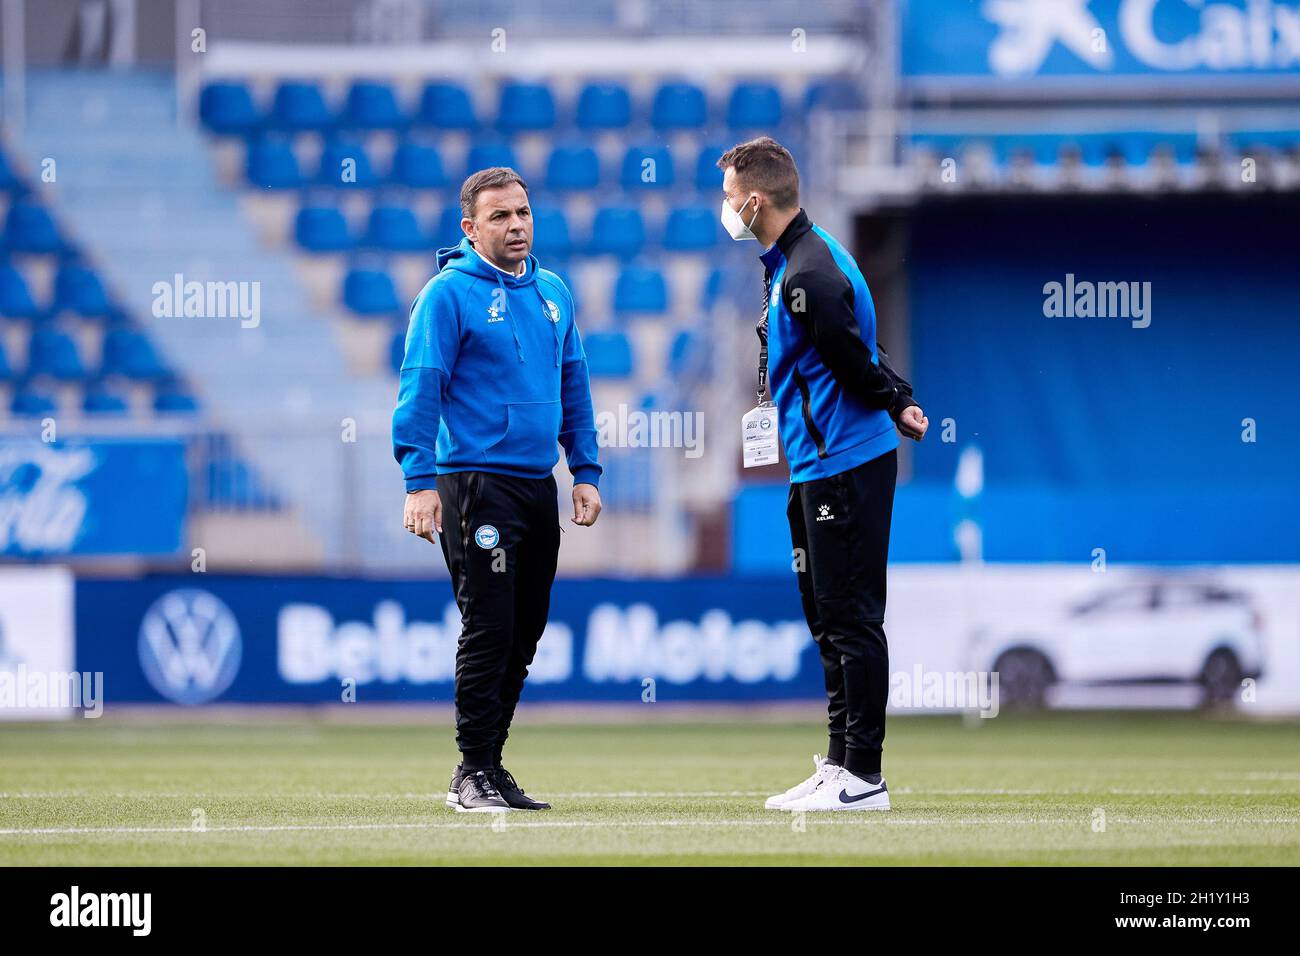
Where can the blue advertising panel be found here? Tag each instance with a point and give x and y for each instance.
(90, 496)
(204, 638)
(1091, 40)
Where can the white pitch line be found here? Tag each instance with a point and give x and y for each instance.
(435, 795)
(782, 821)
(642, 794)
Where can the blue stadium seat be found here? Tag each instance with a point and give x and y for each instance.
(6, 371)
(691, 229)
(1184, 146)
(227, 482)
(486, 154)
(15, 298)
(117, 318)
(708, 177)
(938, 145)
(832, 95)
(102, 400)
(272, 164)
(551, 232)
(573, 167)
(1136, 149)
(754, 106)
(712, 288)
(230, 482)
(300, 106)
(525, 107)
(30, 228)
(1181, 146)
(1282, 140)
(1046, 149)
(322, 229)
(1042, 148)
(648, 168)
(129, 353)
(370, 292)
(52, 352)
(78, 289)
(360, 174)
(679, 106)
(686, 349)
(372, 105)
(618, 231)
(604, 106)
(174, 400)
(9, 180)
(395, 229)
(640, 290)
(1094, 149)
(609, 354)
(447, 231)
(446, 106)
(32, 402)
(227, 108)
(417, 166)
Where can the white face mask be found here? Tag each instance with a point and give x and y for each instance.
(734, 224)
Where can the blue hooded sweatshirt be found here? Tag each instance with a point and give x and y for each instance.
(494, 376)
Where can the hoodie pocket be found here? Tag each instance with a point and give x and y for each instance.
(531, 439)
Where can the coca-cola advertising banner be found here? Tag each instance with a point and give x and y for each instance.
(91, 496)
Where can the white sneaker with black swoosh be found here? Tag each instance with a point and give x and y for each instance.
(801, 789)
(843, 791)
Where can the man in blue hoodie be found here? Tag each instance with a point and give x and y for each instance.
(493, 382)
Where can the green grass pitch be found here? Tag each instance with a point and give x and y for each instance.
(1068, 789)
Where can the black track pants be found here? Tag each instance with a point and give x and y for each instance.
(839, 527)
(501, 540)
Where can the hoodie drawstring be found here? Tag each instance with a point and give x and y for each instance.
(505, 297)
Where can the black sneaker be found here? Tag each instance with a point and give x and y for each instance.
(478, 794)
(453, 788)
(511, 793)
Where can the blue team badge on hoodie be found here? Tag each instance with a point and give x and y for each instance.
(553, 310)
(486, 536)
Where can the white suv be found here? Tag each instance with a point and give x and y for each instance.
(1165, 630)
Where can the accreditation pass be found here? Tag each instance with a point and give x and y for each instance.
(759, 440)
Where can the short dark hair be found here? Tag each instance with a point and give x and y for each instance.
(492, 178)
(765, 166)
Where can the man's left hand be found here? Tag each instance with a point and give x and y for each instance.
(913, 423)
(586, 504)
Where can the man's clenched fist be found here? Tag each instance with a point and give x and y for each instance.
(586, 504)
(423, 514)
(913, 423)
